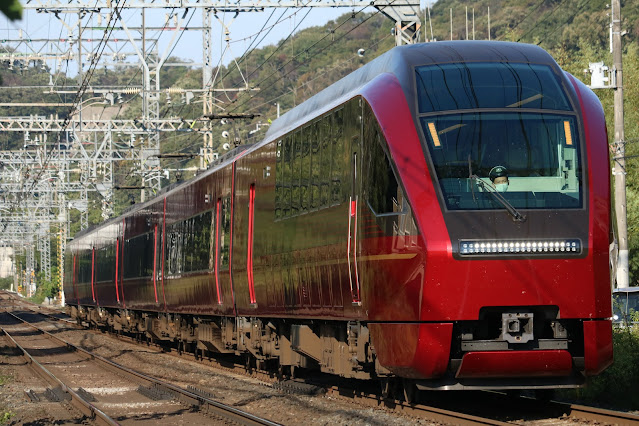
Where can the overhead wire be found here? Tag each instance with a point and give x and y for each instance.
(305, 51)
(538, 23)
(80, 92)
(583, 5)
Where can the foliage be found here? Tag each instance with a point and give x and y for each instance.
(575, 32)
(12, 9)
(46, 288)
(5, 416)
(611, 388)
(5, 283)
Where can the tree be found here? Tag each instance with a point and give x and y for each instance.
(11, 8)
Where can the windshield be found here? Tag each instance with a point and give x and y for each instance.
(449, 87)
(531, 158)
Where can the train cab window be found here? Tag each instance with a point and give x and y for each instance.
(516, 116)
(458, 86)
(539, 151)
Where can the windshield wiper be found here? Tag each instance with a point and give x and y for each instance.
(517, 217)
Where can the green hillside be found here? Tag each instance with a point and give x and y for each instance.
(575, 32)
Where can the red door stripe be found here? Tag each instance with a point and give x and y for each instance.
(217, 250)
(117, 259)
(122, 264)
(231, 240)
(249, 254)
(155, 261)
(163, 245)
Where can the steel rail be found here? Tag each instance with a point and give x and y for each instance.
(599, 415)
(230, 413)
(575, 411)
(419, 411)
(84, 406)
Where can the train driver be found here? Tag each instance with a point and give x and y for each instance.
(499, 177)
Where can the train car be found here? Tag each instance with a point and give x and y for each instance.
(438, 219)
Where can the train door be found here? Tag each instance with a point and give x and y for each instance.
(224, 248)
(354, 136)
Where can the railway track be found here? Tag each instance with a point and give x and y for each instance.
(127, 395)
(438, 411)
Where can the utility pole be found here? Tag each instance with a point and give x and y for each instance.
(619, 168)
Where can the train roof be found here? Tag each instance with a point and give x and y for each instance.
(400, 61)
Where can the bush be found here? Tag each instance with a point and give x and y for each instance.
(5, 283)
(615, 387)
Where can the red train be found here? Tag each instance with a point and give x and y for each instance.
(437, 219)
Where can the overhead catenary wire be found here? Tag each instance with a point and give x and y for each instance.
(306, 51)
(80, 92)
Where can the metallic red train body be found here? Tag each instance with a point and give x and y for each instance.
(363, 236)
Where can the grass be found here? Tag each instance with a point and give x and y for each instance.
(616, 387)
(5, 415)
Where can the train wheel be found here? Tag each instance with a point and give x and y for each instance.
(280, 372)
(410, 391)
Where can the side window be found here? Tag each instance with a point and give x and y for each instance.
(202, 241)
(225, 232)
(140, 265)
(296, 172)
(174, 248)
(278, 179)
(287, 173)
(337, 139)
(105, 261)
(316, 158)
(325, 160)
(383, 190)
(305, 175)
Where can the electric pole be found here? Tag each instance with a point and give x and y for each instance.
(619, 167)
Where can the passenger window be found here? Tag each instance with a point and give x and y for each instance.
(287, 162)
(338, 152)
(383, 193)
(325, 161)
(225, 237)
(305, 175)
(278, 180)
(315, 165)
(296, 172)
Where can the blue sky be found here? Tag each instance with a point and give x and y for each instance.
(242, 31)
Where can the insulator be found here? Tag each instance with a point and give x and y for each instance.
(131, 91)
